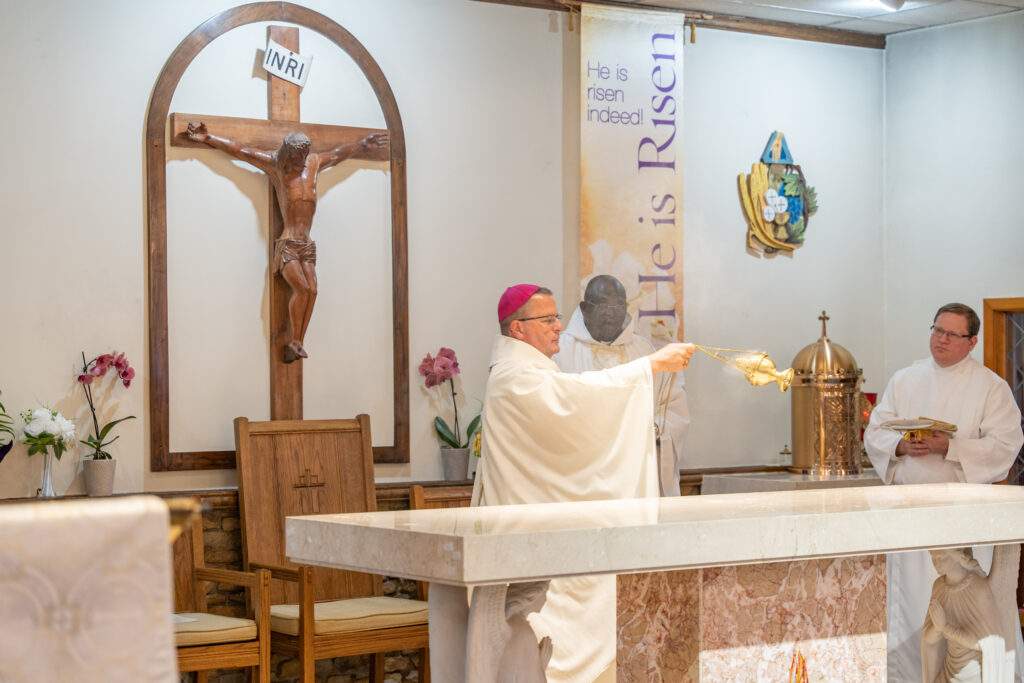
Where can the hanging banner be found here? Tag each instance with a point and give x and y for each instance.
(631, 166)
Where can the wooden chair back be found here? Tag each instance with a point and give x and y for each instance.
(188, 553)
(303, 467)
(421, 498)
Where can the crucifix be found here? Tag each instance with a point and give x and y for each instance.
(292, 154)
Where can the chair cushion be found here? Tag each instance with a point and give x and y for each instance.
(212, 628)
(354, 614)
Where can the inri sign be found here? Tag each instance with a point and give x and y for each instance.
(283, 63)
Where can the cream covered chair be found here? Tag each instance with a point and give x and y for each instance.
(208, 641)
(303, 467)
(85, 591)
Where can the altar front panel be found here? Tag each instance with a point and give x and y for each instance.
(749, 622)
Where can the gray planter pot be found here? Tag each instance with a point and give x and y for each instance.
(99, 477)
(455, 464)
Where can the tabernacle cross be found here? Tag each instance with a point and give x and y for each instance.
(292, 280)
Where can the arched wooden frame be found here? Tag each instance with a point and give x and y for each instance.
(161, 457)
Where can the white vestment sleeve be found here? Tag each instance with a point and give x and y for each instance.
(624, 375)
(676, 424)
(677, 413)
(880, 442)
(988, 457)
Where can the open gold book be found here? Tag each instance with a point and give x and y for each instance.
(919, 428)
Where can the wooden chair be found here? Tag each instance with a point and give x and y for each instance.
(208, 641)
(303, 467)
(421, 498)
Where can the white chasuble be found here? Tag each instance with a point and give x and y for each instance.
(982, 450)
(550, 436)
(580, 352)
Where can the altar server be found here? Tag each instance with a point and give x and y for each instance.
(600, 335)
(550, 436)
(951, 387)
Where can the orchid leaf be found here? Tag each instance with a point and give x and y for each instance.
(445, 433)
(473, 428)
(110, 425)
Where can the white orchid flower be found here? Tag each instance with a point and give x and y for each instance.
(39, 426)
(65, 429)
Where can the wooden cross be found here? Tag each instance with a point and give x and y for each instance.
(309, 496)
(308, 480)
(282, 118)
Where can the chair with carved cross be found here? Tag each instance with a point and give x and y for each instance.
(303, 467)
(205, 640)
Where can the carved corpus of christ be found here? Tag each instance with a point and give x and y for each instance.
(293, 169)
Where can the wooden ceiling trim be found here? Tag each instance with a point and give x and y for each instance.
(728, 22)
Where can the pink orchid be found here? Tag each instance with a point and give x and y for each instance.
(445, 368)
(426, 365)
(437, 370)
(101, 364)
(427, 370)
(448, 354)
(91, 370)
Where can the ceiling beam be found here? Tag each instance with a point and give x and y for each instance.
(728, 22)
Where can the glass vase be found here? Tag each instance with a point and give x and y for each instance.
(46, 490)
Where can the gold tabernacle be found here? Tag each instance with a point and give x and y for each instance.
(756, 366)
(826, 417)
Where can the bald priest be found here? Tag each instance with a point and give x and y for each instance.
(550, 436)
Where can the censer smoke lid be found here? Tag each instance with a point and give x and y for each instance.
(825, 357)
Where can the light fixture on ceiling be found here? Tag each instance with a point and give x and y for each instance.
(892, 5)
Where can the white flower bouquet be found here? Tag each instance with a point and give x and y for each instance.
(46, 428)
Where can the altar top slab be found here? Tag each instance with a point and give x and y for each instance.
(468, 546)
(749, 482)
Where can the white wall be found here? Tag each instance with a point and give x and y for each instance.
(489, 100)
(827, 100)
(480, 90)
(954, 153)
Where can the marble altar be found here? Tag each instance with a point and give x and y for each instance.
(750, 482)
(746, 567)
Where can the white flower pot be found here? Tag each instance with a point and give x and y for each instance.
(455, 464)
(99, 477)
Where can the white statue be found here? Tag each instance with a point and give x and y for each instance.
(501, 645)
(967, 637)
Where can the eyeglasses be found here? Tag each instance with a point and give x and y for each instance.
(939, 332)
(548, 320)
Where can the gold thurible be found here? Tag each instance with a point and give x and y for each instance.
(756, 366)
